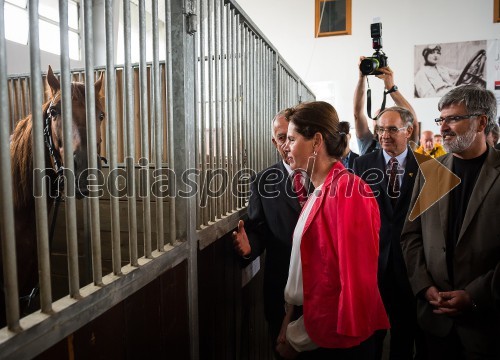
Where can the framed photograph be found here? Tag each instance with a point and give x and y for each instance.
(441, 67)
(496, 10)
(333, 17)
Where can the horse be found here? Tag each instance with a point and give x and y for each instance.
(21, 156)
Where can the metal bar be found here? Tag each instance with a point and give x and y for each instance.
(92, 141)
(229, 100)
(259, 102)
(7, 214)
(246, 102)
(158, 129)
(39, 163)
(211, 117)
(170, 119)
(183, 104)
(239, 149)
(251, 100)
(198, 126)
(255, 112)
(69, 169)
(130, 134)
(269, 97)
(203, 118)
(112, 138)
(223, 63)
(18, 101)
(144, 172)
(234, 115)
(217, 108)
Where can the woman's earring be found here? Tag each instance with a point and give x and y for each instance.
(315, 153)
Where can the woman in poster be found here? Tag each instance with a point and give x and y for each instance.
(434, 80)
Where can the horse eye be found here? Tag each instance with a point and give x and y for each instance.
(53, 112)
(101, 116)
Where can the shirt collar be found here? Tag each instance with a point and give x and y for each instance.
(345, 160)
(287, 167)
(401, 158)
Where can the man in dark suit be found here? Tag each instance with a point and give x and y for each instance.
(273, 211)
(349, 156)
(391, 172)
(452, 250)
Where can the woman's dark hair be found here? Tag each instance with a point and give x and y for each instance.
(344, 127)
(312, 117)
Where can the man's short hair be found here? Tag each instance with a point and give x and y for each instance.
(280, 114)
(477, 100)
(344, 127)
(405, 114)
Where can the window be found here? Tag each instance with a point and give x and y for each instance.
(134, 33)
(17, 25)
(333, 17)
(496, 11)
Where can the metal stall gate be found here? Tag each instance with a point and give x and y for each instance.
(182, 134)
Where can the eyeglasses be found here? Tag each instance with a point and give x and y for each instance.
(390, 129)
(450, 120)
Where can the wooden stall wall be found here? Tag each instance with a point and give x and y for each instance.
(231, 318)
(152, 323)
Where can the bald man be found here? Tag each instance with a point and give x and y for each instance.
(428, 146)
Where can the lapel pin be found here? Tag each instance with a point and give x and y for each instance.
(410, 174)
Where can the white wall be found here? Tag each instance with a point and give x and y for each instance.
(329, 65)
(18, 59)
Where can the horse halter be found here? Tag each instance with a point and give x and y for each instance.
(56, 158)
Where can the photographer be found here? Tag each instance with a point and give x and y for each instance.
(367, 142)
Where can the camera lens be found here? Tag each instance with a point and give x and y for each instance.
(368, 65)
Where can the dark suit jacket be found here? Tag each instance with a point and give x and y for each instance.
(371, 168)
(351, 160)
(273, 211)
(476, 260)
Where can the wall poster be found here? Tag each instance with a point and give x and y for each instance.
(441, 67)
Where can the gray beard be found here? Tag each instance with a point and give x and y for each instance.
(461, 142)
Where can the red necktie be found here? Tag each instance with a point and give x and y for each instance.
(299, 188)
(393, 189)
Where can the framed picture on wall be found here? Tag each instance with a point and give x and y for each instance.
(496, 10)
(441, 67)
(333, 17)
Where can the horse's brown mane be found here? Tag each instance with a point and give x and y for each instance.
(21, 150)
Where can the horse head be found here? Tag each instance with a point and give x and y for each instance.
(54, 119)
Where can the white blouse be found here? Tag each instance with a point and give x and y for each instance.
(296, 333)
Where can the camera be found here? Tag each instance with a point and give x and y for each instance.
(370, 65)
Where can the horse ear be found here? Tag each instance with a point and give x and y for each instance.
(54, 84)
(99, 85)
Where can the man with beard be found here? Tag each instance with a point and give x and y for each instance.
(452, 250)
(390, 172)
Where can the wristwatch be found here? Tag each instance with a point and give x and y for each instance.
(392, 89)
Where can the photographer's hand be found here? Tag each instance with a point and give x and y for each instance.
(388, 77)
(361, 75)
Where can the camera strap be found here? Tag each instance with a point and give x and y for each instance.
(369, 100)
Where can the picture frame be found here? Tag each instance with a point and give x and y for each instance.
(496, 11)
(333, 17)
